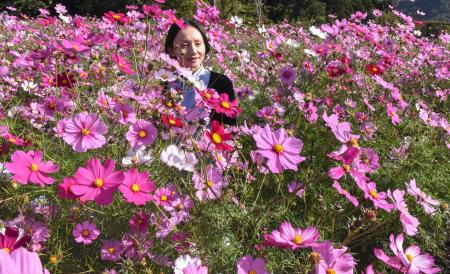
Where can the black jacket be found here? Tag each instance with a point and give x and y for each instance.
(222, 84)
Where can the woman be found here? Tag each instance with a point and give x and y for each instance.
(190, 46)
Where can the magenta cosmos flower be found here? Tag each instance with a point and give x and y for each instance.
(97, 182)
(84, 131)
(293, 238)
(248, 265)
(10, 240)
(136, 187)
(331, 260)
(85, 232)
(282, 152)
(287, 75)
(29, 167)
(111, 250)
(141, 133)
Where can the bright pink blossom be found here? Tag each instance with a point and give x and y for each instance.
(29, 167)
(122, 63)
(378, 198)
(344, 192)
(136, 187)
(410, 223)
(97, 182)
(248, 265)
(141, 133)
(428, 204)
(292, 238)
(333, 260)
(282, 152)
(84, 131)
(85, 232)
(227, 107)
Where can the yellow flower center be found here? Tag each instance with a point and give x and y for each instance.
(216, 138)
(225, 104)
(373, 193)
(115, 16)
(34, 167)
(111, 250)
(85, 131)
(12, 140)
(85, 232)
(133, 159)
(374, 69)
(409, 257)
(210, 184)
(172, 121)
(298, 239)
(208, 95)
(163, 198)
(278, 148)
(354, 142)
(98, 182)
(6, 249)
(252, 272)
(64, 81)
(142, 134)
(53, 259)
(331, 271)
(135, 187)
(165, 76)
(346, 167)
(140, 221)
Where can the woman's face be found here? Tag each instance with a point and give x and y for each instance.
(189, 48)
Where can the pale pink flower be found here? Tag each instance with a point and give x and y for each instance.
(292, 238)
(141, 133)
(84, 131)
(428, 204)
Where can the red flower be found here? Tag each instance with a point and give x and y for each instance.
(64, 80)
(112, 17)
(171, 121)
(223, 105)
(218, 136)
(374, 69)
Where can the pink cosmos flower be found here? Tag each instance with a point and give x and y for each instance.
(378, 198)
(29, 167)
(85, 232)
(422, 198)
(163, 196)
(74, 46)
(97, 182)
(21, 261)
(409, 261)
(84, 131)
(141, 133)
(410, 223)
(193, 269)
(333, 260)
(139, 222)
(136, 187)
(126, 113)
(227, 107)
(209, 186)
(344, 192)
(122, 63)
(111, 250)
(392, 113)
(248, 265)
(287, 75)
(282, 152)
(293, 238)
(64, 189)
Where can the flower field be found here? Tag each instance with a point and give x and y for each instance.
(339, 162)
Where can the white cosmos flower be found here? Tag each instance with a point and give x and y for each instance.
(310, 52)
(317, 32)
(237, 21)
(28, 85)
(137, 157)
(292, 43)
(165, 75)
(176, 157)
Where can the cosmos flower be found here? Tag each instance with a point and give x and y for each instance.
(282, 152)
(141, 133)
(97, 182)
(136, 187)
(248, 265)
(29, 167)
(85, 232)
(292, 238)
(84, 131)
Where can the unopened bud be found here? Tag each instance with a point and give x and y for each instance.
(444, 207)
(370, 215)
(314, 257)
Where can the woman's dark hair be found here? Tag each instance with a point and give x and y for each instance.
(174, 29)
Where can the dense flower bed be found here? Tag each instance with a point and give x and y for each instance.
(341, 152)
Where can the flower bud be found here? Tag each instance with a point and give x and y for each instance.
(314, 257)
